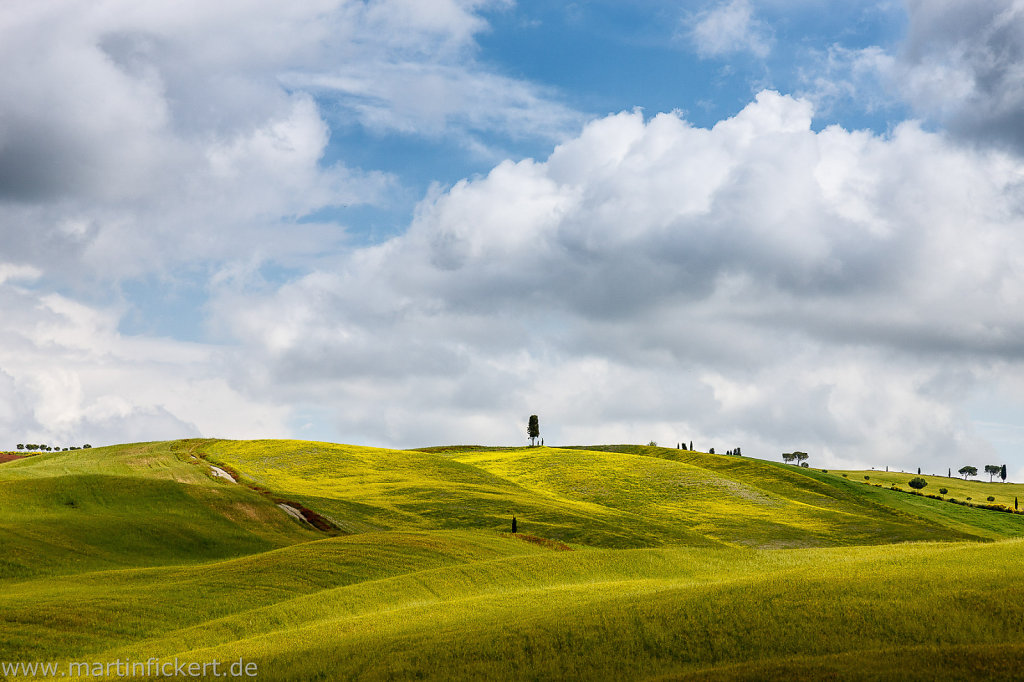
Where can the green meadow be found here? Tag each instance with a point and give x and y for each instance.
(630, 562)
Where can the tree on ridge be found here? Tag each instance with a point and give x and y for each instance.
(966, 471)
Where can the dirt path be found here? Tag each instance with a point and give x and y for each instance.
(295, 514)
(220, 473)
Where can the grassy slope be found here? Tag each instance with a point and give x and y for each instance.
(140, 505)
(956, 486)
(625, 614)
(650, 497)
(430, 586)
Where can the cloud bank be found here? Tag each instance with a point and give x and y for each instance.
(762, 283)
(756, 284)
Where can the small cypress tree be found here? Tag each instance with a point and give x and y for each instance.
(533, 429)
(1002, 473)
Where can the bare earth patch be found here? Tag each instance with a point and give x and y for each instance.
(220, 473)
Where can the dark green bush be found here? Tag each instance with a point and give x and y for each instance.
(917, 483)
(943, 491)
(991, 499)
(867, 478)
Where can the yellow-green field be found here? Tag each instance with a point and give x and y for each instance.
(683, 565)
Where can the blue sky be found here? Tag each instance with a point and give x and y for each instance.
(774, 224)
(600, 58)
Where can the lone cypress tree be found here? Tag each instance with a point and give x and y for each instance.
(533, 429)
(513, 523)
(1002, 473)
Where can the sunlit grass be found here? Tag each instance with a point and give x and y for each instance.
(639, 497)
(624, 614)
(685, 565)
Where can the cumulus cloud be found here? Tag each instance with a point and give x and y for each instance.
(186, 140)
(729, 28)
(756, 284)
(68, 377)
(963, 65)
(139, 137)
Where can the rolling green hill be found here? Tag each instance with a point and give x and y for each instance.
(683, 565)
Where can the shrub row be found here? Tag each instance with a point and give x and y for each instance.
(962, 503)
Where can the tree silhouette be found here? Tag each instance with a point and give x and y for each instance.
(533, 429)
(991, 470)
(1002, 473)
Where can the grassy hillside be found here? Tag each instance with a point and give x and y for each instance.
(977, 489)
(642, 497)
(685, 565)
(147, 504)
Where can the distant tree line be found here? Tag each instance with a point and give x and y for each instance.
(50, 448)
(736, 452)
(992, 470)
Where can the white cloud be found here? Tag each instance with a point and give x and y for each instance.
(68, 377)
(755, 284)
(440, 99)
(963, 66)
(139, 137)
(729, 28)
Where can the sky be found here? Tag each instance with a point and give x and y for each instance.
(770, 224)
